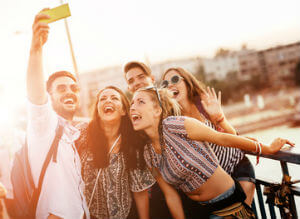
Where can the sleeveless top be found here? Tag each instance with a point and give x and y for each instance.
(228, 157)
(184, 163)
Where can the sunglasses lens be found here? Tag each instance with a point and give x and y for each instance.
(74, 88)
(164, 84)
(175, 79)
(61, 88)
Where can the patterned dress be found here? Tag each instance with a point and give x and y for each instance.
(112, 198)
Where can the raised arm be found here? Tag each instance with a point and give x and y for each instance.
(172, 197)
(36, 89)
(212, 105)
(198, 131)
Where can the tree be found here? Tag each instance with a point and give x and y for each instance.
(200, 74)
(222, 52)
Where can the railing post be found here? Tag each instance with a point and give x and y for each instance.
(285, 171)
(272, 211)
(261, 202)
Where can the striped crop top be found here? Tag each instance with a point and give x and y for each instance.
(184, 163)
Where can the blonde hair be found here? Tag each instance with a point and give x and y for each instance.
(170, 107)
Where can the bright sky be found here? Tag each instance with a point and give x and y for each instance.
(112, 32)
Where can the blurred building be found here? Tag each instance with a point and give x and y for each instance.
(274, 65)
(251, 63)
(192, 65)
(91, 82)
(218, 67)
(280, 64)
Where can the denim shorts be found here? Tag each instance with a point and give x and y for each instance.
(220, 197)
(244, 171)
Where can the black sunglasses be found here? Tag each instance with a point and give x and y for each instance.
(61, 88)
(174, 80)
(156, 91)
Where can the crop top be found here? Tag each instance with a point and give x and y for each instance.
(184, 163)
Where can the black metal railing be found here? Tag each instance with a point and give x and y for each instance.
(280, 194)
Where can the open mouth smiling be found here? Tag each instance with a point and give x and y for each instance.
(109, 109)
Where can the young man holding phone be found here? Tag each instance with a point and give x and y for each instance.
(49, 105)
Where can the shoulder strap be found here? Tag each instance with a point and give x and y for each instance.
(27, 164)
(51, 153)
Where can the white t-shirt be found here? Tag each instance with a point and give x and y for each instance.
(62, 190)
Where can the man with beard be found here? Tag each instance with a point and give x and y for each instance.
(62, 189)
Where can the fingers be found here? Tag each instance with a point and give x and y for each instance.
(219, 98)
(289, 142)
(40, 16)
(40, 26)
(209, 92)
(213, 92)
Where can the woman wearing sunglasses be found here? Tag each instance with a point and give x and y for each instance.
(179, 155)
(110, 167)
(205, 105)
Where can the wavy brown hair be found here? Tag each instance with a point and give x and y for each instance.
(194, 87)
(97, 141)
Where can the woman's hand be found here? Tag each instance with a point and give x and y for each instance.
(277, 144)
(212, 104)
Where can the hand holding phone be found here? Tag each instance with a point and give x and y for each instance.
(57, 13)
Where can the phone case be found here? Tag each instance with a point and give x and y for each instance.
(57, 13)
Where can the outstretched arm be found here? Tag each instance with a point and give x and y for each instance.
(172, 197)
(196, 130)
(36, 89)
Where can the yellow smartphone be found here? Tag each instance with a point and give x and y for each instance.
(57, 13)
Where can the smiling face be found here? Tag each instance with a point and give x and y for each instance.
(136, 78)
(65, 96)
(144, 112)
(179, 90)
(110, 106)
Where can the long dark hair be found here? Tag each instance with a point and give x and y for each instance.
(131, 140)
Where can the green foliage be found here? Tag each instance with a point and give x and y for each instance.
(200, 74)
(233, 88)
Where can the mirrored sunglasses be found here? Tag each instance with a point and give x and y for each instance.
(174, 80)
(61, 88)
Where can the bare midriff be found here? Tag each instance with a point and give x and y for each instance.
(216, 185)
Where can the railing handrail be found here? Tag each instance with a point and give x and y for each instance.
(286, 156)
